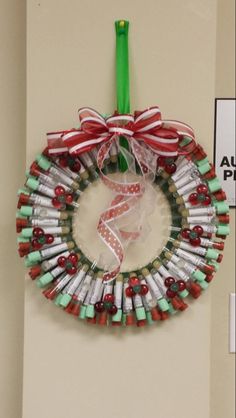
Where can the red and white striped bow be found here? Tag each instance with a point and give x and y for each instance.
(162, 136)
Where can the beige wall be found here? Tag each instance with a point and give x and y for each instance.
(65, 363)
(223, 363)
(12, 122)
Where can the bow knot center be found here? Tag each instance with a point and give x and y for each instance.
(119, 130)
(121, 125)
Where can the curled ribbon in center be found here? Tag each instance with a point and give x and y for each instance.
(149, 137)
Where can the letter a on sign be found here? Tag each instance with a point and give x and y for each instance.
(224, 151)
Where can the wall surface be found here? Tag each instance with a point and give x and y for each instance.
(12, 122)
(71, 369)
(223, 363)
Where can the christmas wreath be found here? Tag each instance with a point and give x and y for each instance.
(151, 150)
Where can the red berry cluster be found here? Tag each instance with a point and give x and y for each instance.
(167, 163)
(200, 196)
(193, 235)
(40, 238)
(135, 287)
(106, 305)
(71, 162)
(68, 263)
(62, 198)
(173, 287)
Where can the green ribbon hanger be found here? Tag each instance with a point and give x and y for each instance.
(122, 80)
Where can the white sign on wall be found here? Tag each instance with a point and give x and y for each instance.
(224, 152)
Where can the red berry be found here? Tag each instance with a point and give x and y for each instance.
(71, 270)
(61, 261)
(195, 242)
(59, 190)
(169, 281)
(202, 189)
(198, 229)
(76, 166)
(109, 298)
(69, 198)
(73, 258)
(63, 161)
(49, 238)
(170, 293)
(170, 168)
(112, 310)
(99, 307)
(193, 198)
(129, 292)
(161, 161)
(134, 281)
(185, 233)
(35, 244)
(182, 285)
(144, 289)
(207, 200)
(38, 232)
(56, 203)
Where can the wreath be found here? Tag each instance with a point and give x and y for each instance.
(151, 150)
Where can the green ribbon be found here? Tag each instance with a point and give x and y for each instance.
(122, 79)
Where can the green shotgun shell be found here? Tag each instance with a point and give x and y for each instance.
(212, 254)
(26, 210)
(82, 313)
(65, 300)
(204, 285)
(214, 264)
(214, 185)
(32, 183)
(124, 319)
(172, 310)
(57, 301)
(21, 239)
(163, 305)
(29, 263)
(44, 280)
(202, 162)
(90, 311)
(19, 215)
(34, 257)
(174, 234)
(199, 275)
(27, 232)
(221, 207)
(149, 318)
(43, 162)
(204, 168)
(183, 294)
(140, 313)
(223, 229)
(118, 316)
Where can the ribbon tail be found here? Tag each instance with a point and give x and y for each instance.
(55, 143)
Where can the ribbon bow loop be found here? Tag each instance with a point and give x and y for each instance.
(92, 122)
(147, 121)
(121, 125)
(161, 136)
